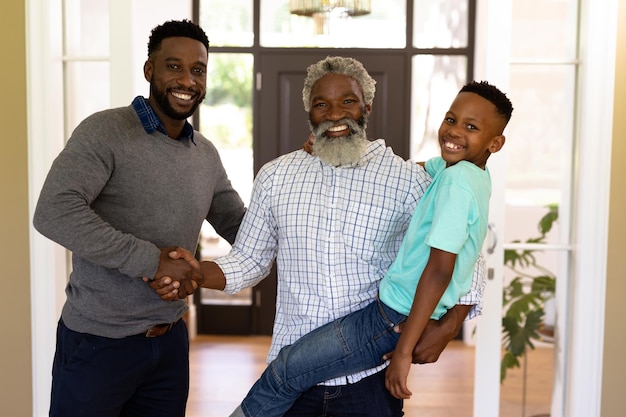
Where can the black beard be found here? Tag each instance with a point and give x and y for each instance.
(162, 100)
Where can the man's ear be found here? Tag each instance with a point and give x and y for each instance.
(497, 143)
(148, 70)
(368, 109)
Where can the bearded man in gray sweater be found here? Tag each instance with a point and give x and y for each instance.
(130, 184)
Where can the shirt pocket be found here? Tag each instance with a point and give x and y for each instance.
(372, 233)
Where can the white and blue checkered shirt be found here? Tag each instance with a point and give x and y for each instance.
(334, 233)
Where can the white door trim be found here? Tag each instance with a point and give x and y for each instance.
(598, 32)
(492, 63)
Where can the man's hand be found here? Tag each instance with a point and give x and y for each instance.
(184, 254)
(308, 145)
(210, 276)
(436, 335)
(165, 287)
(175, 274)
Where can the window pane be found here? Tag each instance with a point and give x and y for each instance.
(543, 29)
(527, 389)
(440, 24)
(541, 130)
(436, 80)
(226, 115)
(280, 28)
(227, 23)
(87, 91)
(538, 177)
(86, 28)
(226, 120)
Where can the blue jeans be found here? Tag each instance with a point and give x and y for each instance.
(350, 344)
(135, 376)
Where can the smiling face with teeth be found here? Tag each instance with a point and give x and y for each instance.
(177, 75)
(471, 130)
(338, 119)
(336, 97)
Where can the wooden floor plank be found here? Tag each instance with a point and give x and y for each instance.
(223, 368)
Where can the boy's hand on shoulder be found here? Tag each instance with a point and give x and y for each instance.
(308, 145)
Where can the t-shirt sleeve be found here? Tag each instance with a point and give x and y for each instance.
(449, 229)
(435, 165)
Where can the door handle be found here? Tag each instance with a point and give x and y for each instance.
(491, 227)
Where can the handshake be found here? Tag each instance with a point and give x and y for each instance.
(180, 274)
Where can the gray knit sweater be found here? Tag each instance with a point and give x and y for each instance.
(113, 197)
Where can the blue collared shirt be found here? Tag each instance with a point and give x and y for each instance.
(151, 122)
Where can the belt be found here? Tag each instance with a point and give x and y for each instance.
(159, 329)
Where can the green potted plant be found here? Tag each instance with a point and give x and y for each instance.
(525, 296)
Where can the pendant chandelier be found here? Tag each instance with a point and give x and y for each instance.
(323, 10)
(310, 7)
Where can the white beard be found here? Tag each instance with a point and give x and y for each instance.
(342, 151)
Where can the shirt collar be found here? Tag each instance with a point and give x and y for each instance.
(151, 122)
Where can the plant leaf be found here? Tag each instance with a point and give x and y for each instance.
(547, 221)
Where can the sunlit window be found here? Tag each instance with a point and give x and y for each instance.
(436, 81)
(440, 24)
(228, 23)
(280, 28)
(86, 59)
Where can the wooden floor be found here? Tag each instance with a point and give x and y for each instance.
(224, 367)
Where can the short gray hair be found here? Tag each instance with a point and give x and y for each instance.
(338, 65)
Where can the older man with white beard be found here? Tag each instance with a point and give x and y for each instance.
(334, 221)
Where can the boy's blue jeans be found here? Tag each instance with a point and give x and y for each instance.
(350, 344)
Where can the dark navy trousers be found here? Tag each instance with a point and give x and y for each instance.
(136, 376)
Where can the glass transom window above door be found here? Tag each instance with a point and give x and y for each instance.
(384, 26)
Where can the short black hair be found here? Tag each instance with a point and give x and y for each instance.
(172, 28)
(493, 94)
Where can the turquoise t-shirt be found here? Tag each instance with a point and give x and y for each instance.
(451, 216)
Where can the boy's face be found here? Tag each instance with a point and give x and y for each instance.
(471, 130)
